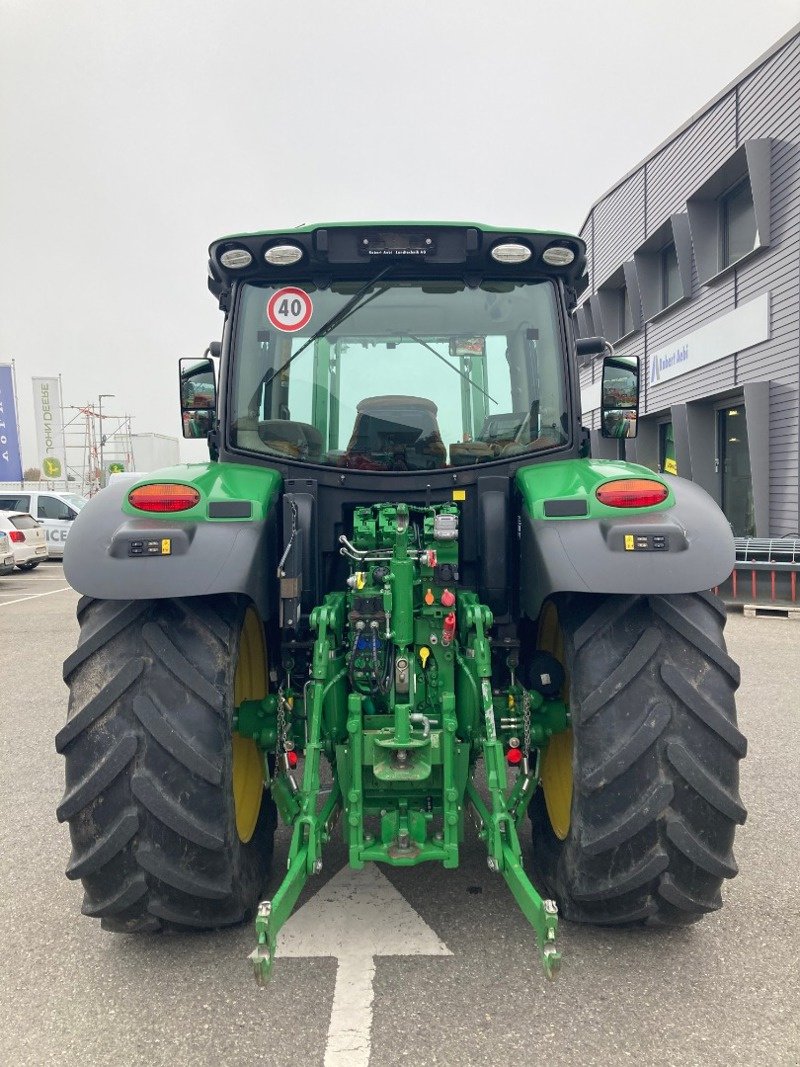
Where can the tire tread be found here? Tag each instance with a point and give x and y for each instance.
(148, 765)
(655, 762)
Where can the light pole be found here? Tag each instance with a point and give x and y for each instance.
(101, 398)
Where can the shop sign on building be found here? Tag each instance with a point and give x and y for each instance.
(745, 326)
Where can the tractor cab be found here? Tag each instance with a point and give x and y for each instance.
(411, 379)
(396, 349)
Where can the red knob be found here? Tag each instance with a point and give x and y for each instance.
(448, 598)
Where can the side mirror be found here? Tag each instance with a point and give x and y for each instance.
(198, 395)
(619, 396)
(66, 516)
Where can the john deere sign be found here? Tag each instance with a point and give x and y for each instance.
(49, 433)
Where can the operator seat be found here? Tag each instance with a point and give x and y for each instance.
(396, 433)
(296, 440)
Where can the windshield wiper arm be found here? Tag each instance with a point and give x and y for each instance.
(461, 373)
(335, 320)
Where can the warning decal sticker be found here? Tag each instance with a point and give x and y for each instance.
(289, 309)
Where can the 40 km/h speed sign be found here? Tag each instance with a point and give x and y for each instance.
(289, 309)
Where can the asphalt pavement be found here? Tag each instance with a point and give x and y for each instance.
(726, 991)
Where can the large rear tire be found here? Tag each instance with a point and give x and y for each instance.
(654, 772)
(149, 766)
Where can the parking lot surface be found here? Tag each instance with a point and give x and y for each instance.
(726, 991)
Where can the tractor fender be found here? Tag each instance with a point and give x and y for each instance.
(226, 544)
(686, 547)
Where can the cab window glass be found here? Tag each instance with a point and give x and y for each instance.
(416, 376)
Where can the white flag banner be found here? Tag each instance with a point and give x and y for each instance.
(49, 431)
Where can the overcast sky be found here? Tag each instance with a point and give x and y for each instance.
(134, 133)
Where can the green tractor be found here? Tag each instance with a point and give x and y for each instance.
(400, 557)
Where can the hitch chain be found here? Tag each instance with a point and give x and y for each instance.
(526, 726)
(282, 743)
(280, 732)
(290, 542)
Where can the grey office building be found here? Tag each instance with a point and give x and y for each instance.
(694, 260)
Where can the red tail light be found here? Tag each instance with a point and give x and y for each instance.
(16, 536)
(163, 496)
(632, 493)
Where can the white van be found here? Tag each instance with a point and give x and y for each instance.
(55, 511)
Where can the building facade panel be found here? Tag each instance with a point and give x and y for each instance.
(685, 163)
(768, 106)
(767, 101)
(614, 243)
(723, 358)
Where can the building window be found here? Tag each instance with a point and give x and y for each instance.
(616, 306)
(729, 214)
(671, 289)
(737, 225)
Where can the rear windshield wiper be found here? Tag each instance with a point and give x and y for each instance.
(461, 373)
(335, 320)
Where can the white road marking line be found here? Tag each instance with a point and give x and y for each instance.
(33, 596)
(355, 917)
(57, 578)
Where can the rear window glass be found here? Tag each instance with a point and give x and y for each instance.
(24, 522)
(15, 503)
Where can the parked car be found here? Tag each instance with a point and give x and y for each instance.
(6, 555)
(55, 511)
(27, 537)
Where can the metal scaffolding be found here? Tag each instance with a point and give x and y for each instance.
(95, 443)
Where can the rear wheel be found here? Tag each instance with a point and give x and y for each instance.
(169, 822)
(639, 802)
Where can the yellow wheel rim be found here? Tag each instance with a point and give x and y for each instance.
(250, 683)
(556, 771)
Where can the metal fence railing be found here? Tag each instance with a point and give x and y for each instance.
(766, 571)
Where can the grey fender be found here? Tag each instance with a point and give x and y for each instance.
(590, 555)
(204, 558)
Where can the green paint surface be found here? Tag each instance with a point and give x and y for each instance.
(215, 482)
(578, 479)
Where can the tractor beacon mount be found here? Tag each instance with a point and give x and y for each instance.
(400, 557)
